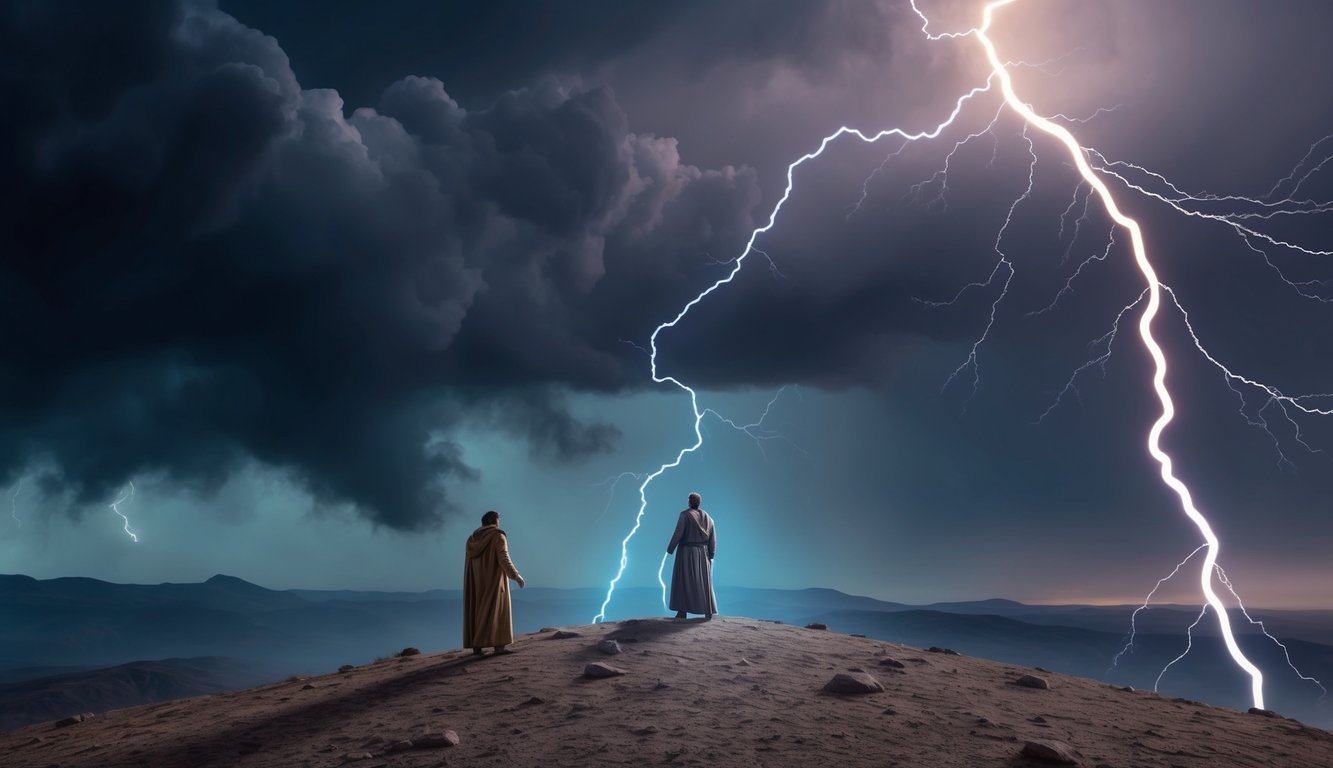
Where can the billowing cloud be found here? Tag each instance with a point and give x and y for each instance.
(208, 263)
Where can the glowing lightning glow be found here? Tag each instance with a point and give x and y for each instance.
(126, 494)
(731, 275)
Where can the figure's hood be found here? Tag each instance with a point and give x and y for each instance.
(482, 540)
(701, 523)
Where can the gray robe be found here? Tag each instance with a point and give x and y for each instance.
(692, 576)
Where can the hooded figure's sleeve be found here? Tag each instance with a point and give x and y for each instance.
(505, 563)
(680, 531)
(712, 538)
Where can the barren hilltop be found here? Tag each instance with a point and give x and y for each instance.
(727, 692)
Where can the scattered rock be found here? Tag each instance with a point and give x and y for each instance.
(564, 634)
(435, 740)
(609, 647)
(545, 629)
(1041, 669)
(1032, 681)
(1039, 719)
(598, 669)
(352, 757)
(410, 651)
(73, 720)
(816, 625)
(853, 682)
(744, 662)
(945, 651)
(399, 746)
(1050, 752)
(892, 663)
(857, 634)
(1253, 711)
(534, 701)
(1129, 688)
(646, 730)
(344, 669)
(308, 687)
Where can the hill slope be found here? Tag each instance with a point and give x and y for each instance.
(730, 692)
(126, 685)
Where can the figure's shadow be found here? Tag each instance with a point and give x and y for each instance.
(227, 746)
(647, 630)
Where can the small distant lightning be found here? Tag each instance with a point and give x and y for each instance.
(126, 494)
(14, 504)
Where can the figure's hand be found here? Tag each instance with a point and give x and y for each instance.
(521, 582)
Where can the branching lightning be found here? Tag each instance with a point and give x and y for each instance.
(749, 248)
(1226, 582)
(1243, 215)
(1189, 646)
(126, 494)
(1133, 617)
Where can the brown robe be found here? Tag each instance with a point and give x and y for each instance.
(488, 618)
(692, 574)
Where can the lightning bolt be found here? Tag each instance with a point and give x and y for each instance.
(126, 494)
(14, 502)
(1079, 156)
(1242, 220)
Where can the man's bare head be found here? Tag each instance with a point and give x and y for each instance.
(695, 500)
(491, 518)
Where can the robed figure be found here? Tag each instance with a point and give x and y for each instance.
(694, 544)
(488, 618)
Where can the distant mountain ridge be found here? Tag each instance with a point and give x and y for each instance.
(79, 622)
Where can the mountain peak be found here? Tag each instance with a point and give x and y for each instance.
(725, 692)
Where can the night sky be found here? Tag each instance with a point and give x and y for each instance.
(327, 280)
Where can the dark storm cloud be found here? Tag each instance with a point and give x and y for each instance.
(504, 44)
(206, 263)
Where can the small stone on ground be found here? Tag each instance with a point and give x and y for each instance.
(853, 682)
(1050, 752)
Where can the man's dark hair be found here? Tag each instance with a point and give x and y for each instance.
(490, 518)
(695, 500)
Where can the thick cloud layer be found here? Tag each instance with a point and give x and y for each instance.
(206, 263)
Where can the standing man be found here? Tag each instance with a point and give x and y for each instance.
(488, 617)
(692, 575)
